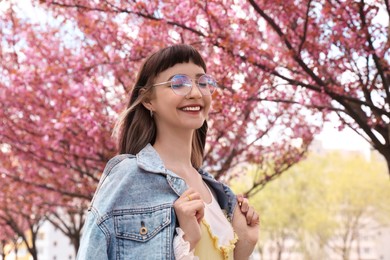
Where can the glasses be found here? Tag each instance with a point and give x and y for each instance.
(182, 84)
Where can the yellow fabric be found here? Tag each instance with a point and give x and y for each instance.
(208, 247)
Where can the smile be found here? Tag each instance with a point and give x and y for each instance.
(195, 108)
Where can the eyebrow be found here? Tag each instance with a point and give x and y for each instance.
(198, 75)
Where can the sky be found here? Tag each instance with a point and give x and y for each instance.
(346, 139)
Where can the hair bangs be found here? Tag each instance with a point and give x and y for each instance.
(173, 55)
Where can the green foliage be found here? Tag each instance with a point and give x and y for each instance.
(320, 198)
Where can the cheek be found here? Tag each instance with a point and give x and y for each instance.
(207, 104)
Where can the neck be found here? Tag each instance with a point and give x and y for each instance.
(175, 149)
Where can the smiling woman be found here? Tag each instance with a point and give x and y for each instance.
(179, 108)
(154, 201)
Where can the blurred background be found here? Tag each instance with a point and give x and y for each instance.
(300, 123)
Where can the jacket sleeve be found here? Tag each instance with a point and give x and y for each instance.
(94, 241)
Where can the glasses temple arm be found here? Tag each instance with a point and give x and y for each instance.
(162, 83)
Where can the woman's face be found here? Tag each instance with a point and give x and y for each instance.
(172, 111)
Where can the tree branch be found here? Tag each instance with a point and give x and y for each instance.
(305, 27)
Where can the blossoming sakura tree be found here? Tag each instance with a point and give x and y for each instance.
(284, 67)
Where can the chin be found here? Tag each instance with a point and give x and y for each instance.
(194, 126)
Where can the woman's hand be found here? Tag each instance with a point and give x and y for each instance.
(189, 208)
(246, 225)
(252, 218)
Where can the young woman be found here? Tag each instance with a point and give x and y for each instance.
(154, 201)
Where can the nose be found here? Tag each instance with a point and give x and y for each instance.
(195, 91)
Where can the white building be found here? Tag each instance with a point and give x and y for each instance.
(51, 244)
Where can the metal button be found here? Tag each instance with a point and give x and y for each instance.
(143, 230)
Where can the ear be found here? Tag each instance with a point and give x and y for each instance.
(147, 103)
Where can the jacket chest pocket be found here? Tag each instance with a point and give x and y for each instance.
(144, 233)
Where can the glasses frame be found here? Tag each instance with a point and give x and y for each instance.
(190, 88)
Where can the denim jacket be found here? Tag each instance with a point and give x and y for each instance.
(131, 214)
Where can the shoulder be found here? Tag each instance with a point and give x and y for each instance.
(124, 181)
(117, 173)
(118, 162)
(119, 169)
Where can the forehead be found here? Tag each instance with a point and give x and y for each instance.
(189, 69)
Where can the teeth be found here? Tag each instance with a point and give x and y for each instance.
(191, 108)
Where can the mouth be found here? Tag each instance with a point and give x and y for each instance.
(191, 108)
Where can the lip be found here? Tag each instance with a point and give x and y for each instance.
(191, 106)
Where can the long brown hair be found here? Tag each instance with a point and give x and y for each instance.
(136, 127)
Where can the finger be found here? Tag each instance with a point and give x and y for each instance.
(195, 209)
(249, 215)
(191, 208)
(190, 196)
(240, 197)
(188, 191)
(244, 205)
(193, 196)
(255, 219)
(199, 214)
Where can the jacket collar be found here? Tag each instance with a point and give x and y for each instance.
(149, 160)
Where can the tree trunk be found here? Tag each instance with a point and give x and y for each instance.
(385, 152)
(3, 243)
(16, 251)
(387, 158)
(76, 243)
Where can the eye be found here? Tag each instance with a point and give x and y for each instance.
(180, 81)
(202, 84)
(177, 85)
(205, 81)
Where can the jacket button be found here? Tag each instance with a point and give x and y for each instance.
(143, 230)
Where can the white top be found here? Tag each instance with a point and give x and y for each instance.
(219, 225)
